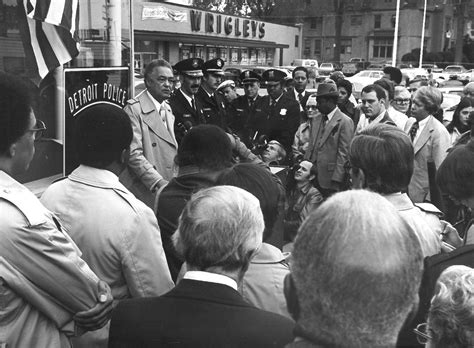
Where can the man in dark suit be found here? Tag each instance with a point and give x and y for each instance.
(330, 136)
(218, 232)
(298, 92)
(245, 106)
(277, 116)
(212, 103)
(184, 104)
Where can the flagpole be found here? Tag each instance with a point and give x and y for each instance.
(422, 35)
(395, 35)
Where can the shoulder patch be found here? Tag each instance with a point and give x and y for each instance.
(429, 208)
(27, 203)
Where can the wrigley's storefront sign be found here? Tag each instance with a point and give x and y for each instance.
(218, 24)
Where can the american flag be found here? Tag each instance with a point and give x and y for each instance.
(50, 39)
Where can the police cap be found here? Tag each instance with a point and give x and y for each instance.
(273, 75)
(249, 76)
(214, 66)
(191, 67)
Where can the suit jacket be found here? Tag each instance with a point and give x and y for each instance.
(279, 123)
(197, 314)
(431, 146)
(213, 108)
(433, 267)
(186, 116)
(152, 150)
(291, 94)
(330, 150)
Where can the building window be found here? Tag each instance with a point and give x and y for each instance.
(297, 40)
(393, 20)
(317, 47)
(346, 46)
(427, 22)
(377, 21)
(356, 20)
(383, 48)
(307, 48)
(316, 23)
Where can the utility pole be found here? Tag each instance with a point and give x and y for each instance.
(460, 16)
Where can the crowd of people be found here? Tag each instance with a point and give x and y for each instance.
(201, 218)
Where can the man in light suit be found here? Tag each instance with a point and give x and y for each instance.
(154, 145)
(430, 140)
(330, 136)
(218, 233)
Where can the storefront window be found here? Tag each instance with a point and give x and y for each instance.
(104, 41)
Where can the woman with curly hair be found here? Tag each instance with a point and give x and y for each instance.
(460, 122)
(451, 316)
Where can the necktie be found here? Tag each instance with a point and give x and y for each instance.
(164, 116)
(251, 103)
(193, 104)
(324, 121)
(414, 130)
(300, 97)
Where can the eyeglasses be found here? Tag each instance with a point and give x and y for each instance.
(38, 130)
(162, 80)
(422, 334)
(401, 101)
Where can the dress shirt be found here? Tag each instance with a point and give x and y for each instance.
(155, 102)
(365, 121)
(421, 125)
(188, 98)
(211, 278)
(331, 114)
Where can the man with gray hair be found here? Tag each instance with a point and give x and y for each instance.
(219, 231)
(351, 289)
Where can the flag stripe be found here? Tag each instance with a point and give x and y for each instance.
(41, 65)
(47, 51)
(66, 16)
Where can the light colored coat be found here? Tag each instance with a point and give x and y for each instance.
(44, 282)
(330, 150)
(117, 234)
(152, 151)
(431, 146)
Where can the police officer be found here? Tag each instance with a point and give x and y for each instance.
(213, 105)
(187, 110)
(245, 105)
(277, 116)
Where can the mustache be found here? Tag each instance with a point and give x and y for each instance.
(195, 86)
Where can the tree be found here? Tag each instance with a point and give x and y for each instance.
(339, 7)
(261, 9)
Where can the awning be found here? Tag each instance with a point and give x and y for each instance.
(205, 39)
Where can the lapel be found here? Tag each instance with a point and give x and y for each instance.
(336, 118)
(314, 130)
(151, 117)
(184, 103)
(424, 135)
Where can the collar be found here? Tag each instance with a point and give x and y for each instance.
(305, 188)
(296, 93)
(331, 114)
(400, 201)
(423, 122)
(187, 97)
(378, 118)
(276, 100)
(207, 92)
(211, 278)
(102, 178)
(155, 102)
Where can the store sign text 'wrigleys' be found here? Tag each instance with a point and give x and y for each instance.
(96, 92)
(214, 23)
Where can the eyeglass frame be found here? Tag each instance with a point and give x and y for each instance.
(40, 127)
(401, 101)
(422, 337)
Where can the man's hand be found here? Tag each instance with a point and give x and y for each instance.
(96, 317)
(450, 235)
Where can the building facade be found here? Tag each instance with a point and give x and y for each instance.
(368, 29)
(175, 32)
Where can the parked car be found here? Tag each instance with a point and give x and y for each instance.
(434, 68)
(326, 69)
(306, 62)
(356, 60)
(353, 67)
(362, 79)
(376, 66)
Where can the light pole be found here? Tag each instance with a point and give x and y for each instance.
(422, 35)
(395, 35)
